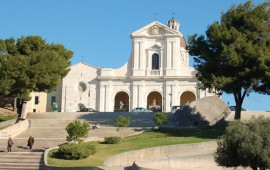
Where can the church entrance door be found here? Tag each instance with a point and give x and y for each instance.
(121, 102)
(154, 101)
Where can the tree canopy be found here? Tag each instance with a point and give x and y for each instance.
(77, 130)
(234, 54)
(30, 64)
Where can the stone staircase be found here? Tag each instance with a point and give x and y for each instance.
(48, 129)
(21, 160)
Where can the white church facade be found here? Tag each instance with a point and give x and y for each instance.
(157, 73)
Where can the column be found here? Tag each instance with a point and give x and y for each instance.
(168, 63)
(134, 92)
(141, 56)
(102, 98)
(174, 96)
(168, 97)
(161, 61)
(135, 55)
(141, 92)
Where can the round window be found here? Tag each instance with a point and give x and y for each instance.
(82, 87)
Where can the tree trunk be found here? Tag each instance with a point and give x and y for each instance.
(237, 115)
(253, 168)
(238, 97)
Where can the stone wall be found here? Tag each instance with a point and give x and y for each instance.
(14, 129)
(128, 158)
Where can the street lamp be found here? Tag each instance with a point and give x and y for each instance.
(170, 94)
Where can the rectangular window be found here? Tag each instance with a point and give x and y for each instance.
(155, 61)
(53, 100)
(36, 99)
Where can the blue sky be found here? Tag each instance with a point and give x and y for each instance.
(97, 31)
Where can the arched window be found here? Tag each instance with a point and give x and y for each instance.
(155, 61)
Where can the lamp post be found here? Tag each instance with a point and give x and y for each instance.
(170, 94)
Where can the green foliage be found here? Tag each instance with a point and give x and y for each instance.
(112, 140)
(234, 56)
(77, 130)
(122, 121)
(143, 140)
(161, 118)
(30, 64)
(2, 119)
(245, 144)
(76, 151)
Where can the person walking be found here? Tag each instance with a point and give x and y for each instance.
(30, 142)
(9, 144)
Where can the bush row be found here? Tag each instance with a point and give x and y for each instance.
(76, 151)
(112, 140)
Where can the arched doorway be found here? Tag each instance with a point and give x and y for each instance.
(154, 101)
(186, 97)
(121, 102)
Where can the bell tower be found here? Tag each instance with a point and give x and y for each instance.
(173, 24)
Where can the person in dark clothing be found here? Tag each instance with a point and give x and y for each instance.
(9, 144)
(30, 142)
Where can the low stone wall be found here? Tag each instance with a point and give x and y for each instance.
(71, 168)
(128, 158)
(7, 123)
(14, 129)
(190, 162)
(247, 115)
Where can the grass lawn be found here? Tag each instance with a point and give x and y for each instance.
(5, 118)
(7, 114)
(142, 141)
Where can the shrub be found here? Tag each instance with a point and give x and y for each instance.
(245, 144)
(77, 130)
(161, 118)
(112, 140)
(122, 122)
(76, 151)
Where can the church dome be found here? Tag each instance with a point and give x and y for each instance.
(173, 24)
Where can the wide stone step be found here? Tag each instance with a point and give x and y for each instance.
(104, 118)
(20, 143)
(48, 123)
(14, 166)
(55, 115)
(22, 160)
(21, 154)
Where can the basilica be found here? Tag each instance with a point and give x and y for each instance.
(156, 75)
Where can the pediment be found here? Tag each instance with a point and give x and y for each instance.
(155, 29)
(82, 66)
(156, 46)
